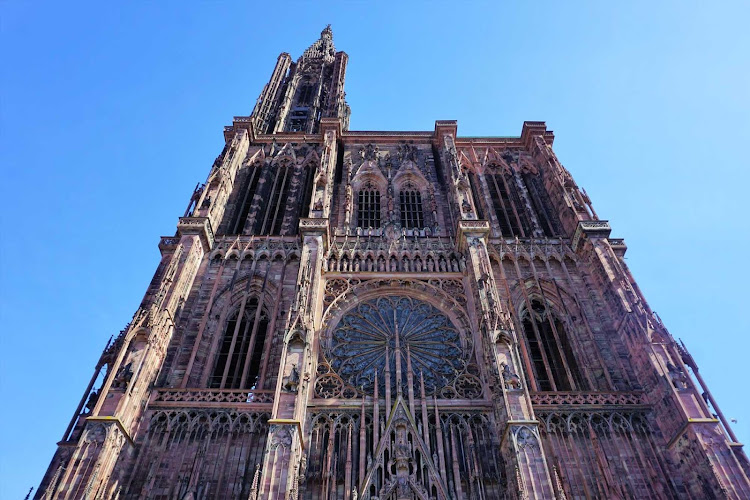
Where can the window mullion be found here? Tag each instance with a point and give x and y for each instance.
(252, 346)
(240, 315)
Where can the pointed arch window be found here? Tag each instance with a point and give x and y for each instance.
(511, 213)
(305, 94)
(249, 188)
(554, 364)
(238, 361)
(410, 202)
(368, 208)
(540, 203)
(273, 209)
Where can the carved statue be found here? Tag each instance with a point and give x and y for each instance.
(348, 204)
(679, 379)
(302, 468)
(512, 381)
(292, 381)
(91, 403)
(122, 379)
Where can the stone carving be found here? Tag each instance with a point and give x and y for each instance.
(678, 377)
(207, 397)
(526, 437)
(292, 381)
(369, 152)
(124, 374)
(281, 436)
(511, 380)
(406, 152)
(586, 399)
(91, 403)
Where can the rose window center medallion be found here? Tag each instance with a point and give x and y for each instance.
(399, 329)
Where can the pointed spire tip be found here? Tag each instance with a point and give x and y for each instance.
(327, 32)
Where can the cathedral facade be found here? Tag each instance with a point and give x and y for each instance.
(389, 316)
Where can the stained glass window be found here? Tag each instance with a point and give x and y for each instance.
(395, 325)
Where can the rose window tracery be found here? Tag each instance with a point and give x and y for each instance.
(401, 329)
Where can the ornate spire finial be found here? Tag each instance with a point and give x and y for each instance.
(327, 33)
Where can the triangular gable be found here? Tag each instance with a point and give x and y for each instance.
(286, 155)
(311, 158)
(399, 414)
(494, 157)
(410, 171)
(370, 168)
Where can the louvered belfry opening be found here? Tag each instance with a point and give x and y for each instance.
(238, 360)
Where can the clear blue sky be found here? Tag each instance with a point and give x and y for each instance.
(110, 114)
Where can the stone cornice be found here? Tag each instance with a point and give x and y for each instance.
(467, 228)
(113, 420)
(294, 423)
(590, 229)
(200, 226)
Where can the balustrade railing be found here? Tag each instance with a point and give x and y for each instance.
(212, 397)
(575, 399)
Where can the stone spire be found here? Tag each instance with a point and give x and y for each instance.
(322, 48)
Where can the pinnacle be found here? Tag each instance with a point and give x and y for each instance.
(322, 48)
(327, 33)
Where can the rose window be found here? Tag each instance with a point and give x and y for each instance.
(398, 328)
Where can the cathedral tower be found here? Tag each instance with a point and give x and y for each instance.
(391, 315)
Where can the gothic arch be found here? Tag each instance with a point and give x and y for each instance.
(369, 171)
(227, 304)
(411, 176)
(451, 302)
(235, 359)
(550, 340)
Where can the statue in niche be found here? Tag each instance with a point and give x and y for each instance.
(292, 381)
(302, 467)
(124, 374)
(349, 200)
(318, 206)
(512, 381)
(679, 379)
(91, 403)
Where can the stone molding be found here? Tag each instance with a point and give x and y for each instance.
(200, 226)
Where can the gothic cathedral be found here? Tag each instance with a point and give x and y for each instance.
(390, 316)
